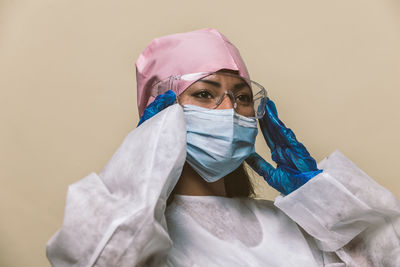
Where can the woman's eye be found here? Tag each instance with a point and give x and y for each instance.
(203, 94)
(245, 99)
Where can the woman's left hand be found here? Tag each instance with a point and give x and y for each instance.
(295, 166)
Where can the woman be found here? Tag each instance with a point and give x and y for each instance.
(199, 112)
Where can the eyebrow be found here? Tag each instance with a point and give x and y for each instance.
(217, 84)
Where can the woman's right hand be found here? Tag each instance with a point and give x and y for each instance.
(161, 102)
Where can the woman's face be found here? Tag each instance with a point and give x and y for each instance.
(228, 88)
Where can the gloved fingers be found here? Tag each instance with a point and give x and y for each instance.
(283, 178)
(280, 179)
(267, 132)
(260, 166)
(282, 156)
(272, 176)
(268, 124)
(271, 136)
(283, 134)
(161, 102)
(287, 149)
(296, 158)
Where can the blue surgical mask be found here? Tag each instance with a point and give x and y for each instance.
(218, 140)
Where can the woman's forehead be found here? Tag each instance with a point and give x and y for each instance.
(219, 84)
(222, 78)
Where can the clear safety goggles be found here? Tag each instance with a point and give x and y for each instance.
(209, 90)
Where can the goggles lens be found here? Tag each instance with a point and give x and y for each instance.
(209, 90)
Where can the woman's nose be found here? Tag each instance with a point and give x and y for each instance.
(226, 103)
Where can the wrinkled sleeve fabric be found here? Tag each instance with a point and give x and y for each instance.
(347, 213)
(116, 218)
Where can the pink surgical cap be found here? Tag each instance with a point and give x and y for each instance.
(204, 50)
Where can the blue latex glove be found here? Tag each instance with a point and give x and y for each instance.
(161, 102)
(295, 166)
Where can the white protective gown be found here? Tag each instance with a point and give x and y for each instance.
(119, 217)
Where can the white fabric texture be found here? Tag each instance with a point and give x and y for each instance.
(119, 218)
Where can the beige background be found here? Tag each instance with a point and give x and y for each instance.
(68, 89)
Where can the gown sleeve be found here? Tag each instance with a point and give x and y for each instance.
(116, 217)
(348, 214)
